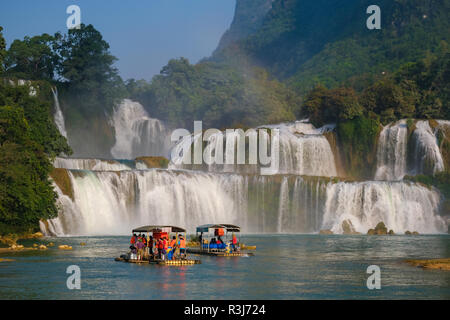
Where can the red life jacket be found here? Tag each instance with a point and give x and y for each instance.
(133, 240)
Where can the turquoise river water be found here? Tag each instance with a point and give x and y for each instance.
(284, 267)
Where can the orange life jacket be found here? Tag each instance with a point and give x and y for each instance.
(182, 243)
(172, 243)
(166, 244)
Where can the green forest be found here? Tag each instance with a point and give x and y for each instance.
(300, 59)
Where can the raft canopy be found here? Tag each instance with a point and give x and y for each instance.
(228, 227)
(167, 229)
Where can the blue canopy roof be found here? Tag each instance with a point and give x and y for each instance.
(228, 227)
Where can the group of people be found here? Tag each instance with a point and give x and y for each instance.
(233, 242)
(161, 248)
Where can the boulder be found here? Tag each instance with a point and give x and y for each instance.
(327, 231)
(391, 232)
(380, 228)
(348, 228)
(371, 232)
(35, 245)
(37, 235)
(408, 233)
(16, 247)
(51, 244)
(415, 233)
(9, 239)
(64, 247)
(42, 247)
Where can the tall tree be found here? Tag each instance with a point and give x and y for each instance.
(32, 58)
(2, 49)
(84, 56)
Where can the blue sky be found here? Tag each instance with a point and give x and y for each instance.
(143, 34)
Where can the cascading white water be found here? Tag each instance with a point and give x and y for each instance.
(283, 206)
(427, 156)
(97, 164)
(116, 202)
(58, 116)
(391, 152)
(304, 150)
(401, 206)
(137, 134)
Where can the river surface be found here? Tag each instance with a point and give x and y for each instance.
(284, 267)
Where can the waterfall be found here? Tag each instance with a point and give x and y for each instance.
(116, 202)
(283, 203)
(396, 156)
(58, 116)
(304, 150)
(401, 206)
(391, 152)
(137, 134)
(97, 164)
(108, 202)
(427, 156)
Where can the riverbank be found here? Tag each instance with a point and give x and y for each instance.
(12, 238)
(436, 264)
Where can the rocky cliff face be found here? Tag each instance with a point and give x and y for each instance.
(248, 17)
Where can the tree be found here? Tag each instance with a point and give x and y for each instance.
(32, 58)
(218, 94)
(330, 106)
(390, 100)
(26, 194)
(2, 50)
(84, 58)
(37, 113)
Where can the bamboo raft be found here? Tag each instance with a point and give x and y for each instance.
(218, 253)
(174, 262)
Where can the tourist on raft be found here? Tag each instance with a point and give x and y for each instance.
(171, 248)
(160, 247)
(133, 239)
(182, 246)
(234, 242)
(140, 246)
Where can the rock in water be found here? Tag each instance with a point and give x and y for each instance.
(381, 229)
(348, 228)
(327, 231)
